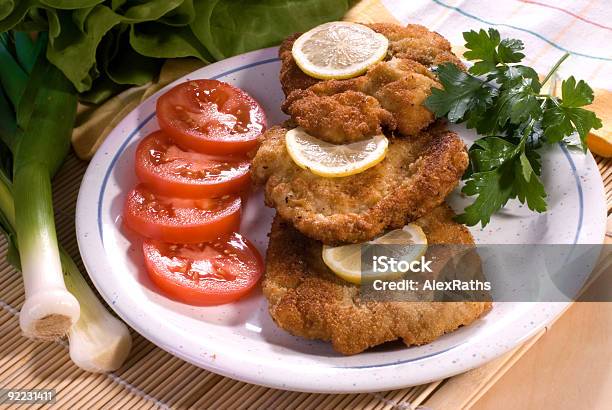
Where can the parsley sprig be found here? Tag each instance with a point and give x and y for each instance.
(502, 100)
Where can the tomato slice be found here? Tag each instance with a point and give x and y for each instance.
(211, 116)
(169, 170)
(180, 220)
(206, 273)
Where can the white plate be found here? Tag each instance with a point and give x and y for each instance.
(240, 340)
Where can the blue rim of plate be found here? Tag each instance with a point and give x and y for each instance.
(146, 120)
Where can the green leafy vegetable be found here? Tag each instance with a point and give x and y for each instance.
(8, 123)
(493, 188)
(74, 51)
(489, 50)
(232, 27)
(140, 70)
(150, 39)
(564, 117)
(501, 99)
(26, 50)
(462, 93)
(12, 76)
(91, 40)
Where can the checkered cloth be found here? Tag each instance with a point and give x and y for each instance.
(548, 28)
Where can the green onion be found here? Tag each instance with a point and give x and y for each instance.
(99, 342)
(8, 123)
(37, 119)
(49, 309)
(41, 146)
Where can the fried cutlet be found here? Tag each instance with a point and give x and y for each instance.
(308, 300)
(341, 118)
(399, 85)
(291, 76)
(414, 178)
(418, 43)
(414, 42)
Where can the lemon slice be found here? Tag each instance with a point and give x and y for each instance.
(331, 160)
(339, 50)
(345, 260)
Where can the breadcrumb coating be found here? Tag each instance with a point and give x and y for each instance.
(401, 84)
(341, 118)
(413, 179)
(306, 299)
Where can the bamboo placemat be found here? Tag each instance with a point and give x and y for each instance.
(152, 378)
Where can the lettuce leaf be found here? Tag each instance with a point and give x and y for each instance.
(112, 44)
(230, 27)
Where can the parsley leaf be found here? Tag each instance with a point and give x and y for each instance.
(510, 173)
(462, 92)
(501, 99)
(535, 159)
(527, 185)
(557, 123)
(576, 95)
(481, 46)
(488, 50)
(489, 153)
(513, 75)
(517, 104)
(494, 188)
(562, 118)
(561, 122)
(509, 51)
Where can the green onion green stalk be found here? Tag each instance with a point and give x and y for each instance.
(37, 120)
(45, 115)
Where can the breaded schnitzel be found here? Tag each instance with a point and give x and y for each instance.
(417, 43)
(414, 178)
(291, 76)
(341, 118)
(400, 86)
(414, 42)
(308, 300)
